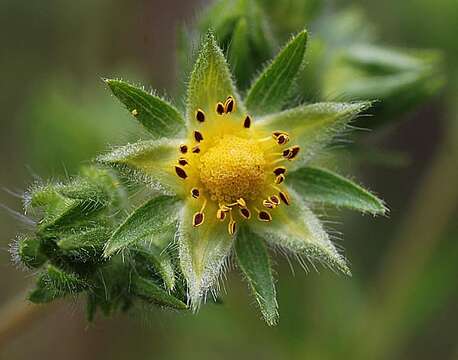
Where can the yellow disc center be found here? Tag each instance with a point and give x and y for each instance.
(233, 169)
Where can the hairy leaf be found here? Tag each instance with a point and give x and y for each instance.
(158, 116)
(312, 126)
(254, 262)
(270, 91)
(324, 186)
(151, 292)
(210, 83)
(298, 230)
(150, 162)
(155, 219)
(203, 251)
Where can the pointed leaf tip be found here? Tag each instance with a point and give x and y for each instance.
(270, 91)
(253, 260)
(158, 116)
(324, 186)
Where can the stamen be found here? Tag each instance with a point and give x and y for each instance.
(280, 170)
(196, 149)
(180, 172)
(284, 197)
(220, 214)
(183, 149)
(182, 161)
(195, 193)
(231, 227)
(245, 212)
(264, 216)
(291, 152)
(281, 137)
(279, 179)
(200, 115)
(229, 105)
(241, 202)
(198, 219)
(220, 108)
(275, 199)
(286, 153)
(198, 136)
(224, 208)
(247, 122)
(268, 204)
(134, 112)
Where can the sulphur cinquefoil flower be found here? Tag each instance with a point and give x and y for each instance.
(233, 175)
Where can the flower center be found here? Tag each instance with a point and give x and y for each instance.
(233, 169)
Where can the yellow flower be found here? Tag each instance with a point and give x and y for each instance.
(235, 173)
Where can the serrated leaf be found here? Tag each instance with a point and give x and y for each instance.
(270, 91)
(312, 126)
(151, 162)
(154, 219)
(158, 116)
(210, 83)
(203, 251)
(298, 230)
(151, 292)
(254, 262)
(324, 186)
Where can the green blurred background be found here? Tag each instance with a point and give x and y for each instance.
(56, 114)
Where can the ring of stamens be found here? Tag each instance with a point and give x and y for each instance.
(233, 170)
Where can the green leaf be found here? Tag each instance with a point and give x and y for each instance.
(28, 251)
(150, 162)
(151, 292)
(270, 91)
(86, 244)
(210, 83)
(54, 283)
(155, 219)
(151, 255)
(254, 262)
(324, 186)
(158, 116)
(298, 230)
(203, 251)
(312, 126)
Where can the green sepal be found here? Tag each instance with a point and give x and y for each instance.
(272, 89)
(85, 244)
(150, 162)
(203, 251)
(324, 186)
(210, 83)
(313, 126)
(149, 254)
(151, 292)
(253, 260)
(54, 283)
(157, 115)
(153, 221)
(295, 228)
(28, 251)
